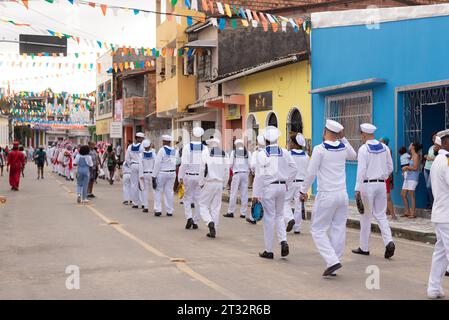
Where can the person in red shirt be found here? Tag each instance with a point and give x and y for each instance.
(15, 163)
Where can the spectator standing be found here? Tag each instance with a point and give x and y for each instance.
(93, 169)
(411, 181)
(429, 157)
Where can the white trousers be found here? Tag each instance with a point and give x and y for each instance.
(68, 172)
(440, 259)
(165, 184)
(328, 228)
(273, 204)
(374, 198)
(293, 195)
(148, 187)
(210, 202)
(135, 191)
(126, 187)
(192, 192)
(239, 182)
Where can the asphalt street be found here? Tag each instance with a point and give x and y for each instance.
(123, 253)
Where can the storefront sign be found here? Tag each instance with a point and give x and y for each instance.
(103, 126)
(116, 130)
(232, 112)
(262, 101)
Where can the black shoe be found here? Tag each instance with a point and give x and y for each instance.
(158, 214)
(284, 249)
(242, 216)
(192, 205)
(228, 215)
(145, 210)
(447, 274)
(360, 251)
(266, 255)
(389, 250)
(290, 225)
(143, 207)
(125, 203)
(189, 223)
(212, 231)
(135, 207)
(91, 195)
(194, 226)
(331, 270)
(169, 214)
(251, 221)
(297, 232)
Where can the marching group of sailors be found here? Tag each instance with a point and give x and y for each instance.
(282, 177)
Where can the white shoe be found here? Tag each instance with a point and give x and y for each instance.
(435, 295)
(86, 201)
(78, 198)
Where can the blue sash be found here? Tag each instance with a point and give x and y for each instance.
(135, 148)
(375, 148)
(170, 152)
(196, 146)
(148, 155)
(330, 147)
(273, 151)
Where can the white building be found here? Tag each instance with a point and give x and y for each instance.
(4, 131)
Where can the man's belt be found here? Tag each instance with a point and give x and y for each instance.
(192, 174)
(148, 172)
(278, 182)
(375, 180)
(240, 172)
(168, 170)
(298, 180)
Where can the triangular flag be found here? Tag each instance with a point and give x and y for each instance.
(275, 27)
(214, 22)
(245, 23)
(103, 8)
(194, 5)
(284, 26)
(242, 13)
(99, 44)
(220, 8)
(249, 16)
(136, 12)
(71, 1)
(228, 10)
(187, 3)
(92, 4)
(174, 2)
(233, 24)
(205, 5)
(222, 23)
(25, 3)
(189, 21)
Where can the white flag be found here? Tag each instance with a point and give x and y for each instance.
(214, 22)
(220, 8)
(284, 26)
(194, 5)
(249, 15)
(270, 18)
(255, 23)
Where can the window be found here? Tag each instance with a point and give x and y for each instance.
(351, 110)
(272, 120)
(104, 98)
(204, 66)
(189, 65)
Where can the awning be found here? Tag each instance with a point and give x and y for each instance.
(201, 44)
(350, 86)
(205, 116)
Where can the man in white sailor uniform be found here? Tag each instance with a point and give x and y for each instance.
(374, 166)
(329, 213)
(214, 176)
(133, 158)
(165, 173)
(255, 169)
(293, 218)
(277, 171)
(148, 158)
(189, 175)
(240, 166)
(439, 177)
(126, 170)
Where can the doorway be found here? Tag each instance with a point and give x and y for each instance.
(433, 120)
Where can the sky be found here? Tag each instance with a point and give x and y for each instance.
(62, 73)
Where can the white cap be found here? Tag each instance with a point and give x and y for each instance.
(198, 132)
(146, 143)
(438, 140)
(140, 135)
(334, 126)
(213, 141)
(300, 140)
(367, 128)
(260, 140)
(271, 133)
(167, 137)
(238, 141)
(443, 133)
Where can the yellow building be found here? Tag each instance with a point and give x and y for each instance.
(174, 90)
(276, 93)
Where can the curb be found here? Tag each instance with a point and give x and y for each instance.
(425, 237)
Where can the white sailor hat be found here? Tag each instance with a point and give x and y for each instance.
(333, 126)
(271, 134)
(238, 141)
(260, 140)
(367, 128)
(198, 132)
(140, 135)
(438, 140)
(443, 134)
(213, 141)
(146, 143)
(300, 140)
(167, 137)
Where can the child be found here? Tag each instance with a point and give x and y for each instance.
(405, 157)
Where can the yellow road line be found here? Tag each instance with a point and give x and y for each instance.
(182, 266)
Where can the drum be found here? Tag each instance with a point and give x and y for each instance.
(257, 211)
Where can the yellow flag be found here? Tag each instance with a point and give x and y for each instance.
(228, 10)
(245, 23)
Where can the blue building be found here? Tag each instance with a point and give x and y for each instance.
(386, 66)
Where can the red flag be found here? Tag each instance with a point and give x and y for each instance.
(92, 4)
(25, 3)
(205, 5)
(103, 8)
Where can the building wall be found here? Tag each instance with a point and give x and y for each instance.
(403, 52)
(290, 86)
(4, 131)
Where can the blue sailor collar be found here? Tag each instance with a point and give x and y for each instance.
(217, 152)
(297, 152)
(273, 150)
(196, 146)
(135, 147)
(169, 151)
(374, 146)
(148, 154)
(334, 145)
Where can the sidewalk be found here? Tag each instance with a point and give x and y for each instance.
(419, 229)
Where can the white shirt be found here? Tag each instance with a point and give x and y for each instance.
(134, 154)
(374, 163)
(301, 159)
(217, 163)
(87, 158)
(165, 160)
(328, 163)
(148, 159)
(240, 163)
(274, 164)
(192, 153)
(253, 161)
(439, 177)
